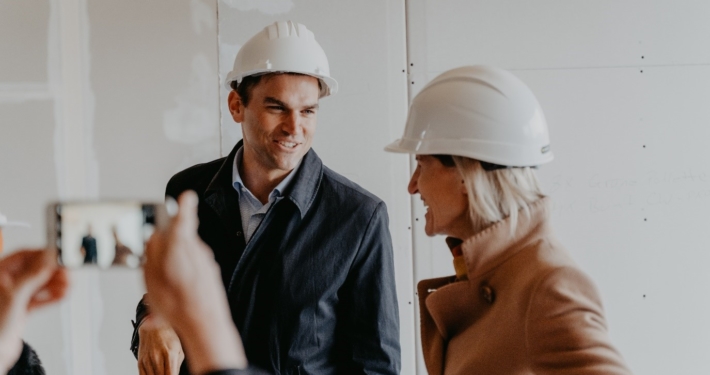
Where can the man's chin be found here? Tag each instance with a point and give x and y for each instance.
(288, 165)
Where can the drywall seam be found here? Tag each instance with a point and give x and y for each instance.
(75, 162)
(24, 91)
(77, 168)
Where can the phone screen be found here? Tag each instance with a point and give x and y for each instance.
(103, 234)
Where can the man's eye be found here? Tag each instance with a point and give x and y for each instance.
(309, 111)
(276, 108)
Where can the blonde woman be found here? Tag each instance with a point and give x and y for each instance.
(518, 304)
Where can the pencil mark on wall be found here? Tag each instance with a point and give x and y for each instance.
(654, 188)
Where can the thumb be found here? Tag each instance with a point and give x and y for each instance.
(187, 212)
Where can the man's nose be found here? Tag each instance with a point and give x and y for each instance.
(293, 123)
(412, 188)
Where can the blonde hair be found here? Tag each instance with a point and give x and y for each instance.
(497, 194)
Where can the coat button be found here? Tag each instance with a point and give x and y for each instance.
(488, 294)
(239, 233)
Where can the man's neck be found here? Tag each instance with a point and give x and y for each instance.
(260, 182)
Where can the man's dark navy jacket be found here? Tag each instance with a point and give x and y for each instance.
(313, 292)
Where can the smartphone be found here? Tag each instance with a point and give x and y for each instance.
(103, 234)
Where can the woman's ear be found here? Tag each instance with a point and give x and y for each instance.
(464, 191)
(236, 106)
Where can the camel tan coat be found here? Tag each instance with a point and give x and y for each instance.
(525, 309)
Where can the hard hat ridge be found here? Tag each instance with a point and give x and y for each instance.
(287, 29)
(283, 47)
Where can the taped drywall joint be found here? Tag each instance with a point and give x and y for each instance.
(76, 167)
(69, 83)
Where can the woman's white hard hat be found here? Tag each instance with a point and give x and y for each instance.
(283, 47)
(480, 112)
(6, 223)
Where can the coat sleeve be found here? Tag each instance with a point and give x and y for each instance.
(566, 332)
(369, 302)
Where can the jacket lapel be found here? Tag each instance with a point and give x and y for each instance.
(304, 187)
(433, 344)
(221, 197)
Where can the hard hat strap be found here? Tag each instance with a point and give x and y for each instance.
(492, 167)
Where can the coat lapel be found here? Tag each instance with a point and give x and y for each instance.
(221, 197)
(433, 344)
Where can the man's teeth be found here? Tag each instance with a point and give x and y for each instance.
(288, 144)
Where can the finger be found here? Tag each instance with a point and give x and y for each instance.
(16, 262)
(30, 271)
(177, 359)
(147, 368)
(155, 365)
(167, 364)
(142, 369)
(52, 291)
(154, 250)
(187, 212)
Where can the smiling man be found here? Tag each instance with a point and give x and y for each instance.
(305, 255)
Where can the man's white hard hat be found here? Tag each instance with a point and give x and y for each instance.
(6, 223)
(283, 47)
(480, 112)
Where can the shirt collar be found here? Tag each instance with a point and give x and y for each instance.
(303, 191)
(238, 183)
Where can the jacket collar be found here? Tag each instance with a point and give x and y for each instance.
(494, 245)
(302, 190)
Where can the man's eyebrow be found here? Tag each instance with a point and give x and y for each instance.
(272, 100)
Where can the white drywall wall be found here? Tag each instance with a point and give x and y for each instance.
(109, 99)
(104, 100)
(624, 87)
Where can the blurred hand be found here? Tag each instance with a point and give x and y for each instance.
(159, 349)
(28, 279)
(185, 288)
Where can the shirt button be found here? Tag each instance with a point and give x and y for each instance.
(488, 294)
(239, 233)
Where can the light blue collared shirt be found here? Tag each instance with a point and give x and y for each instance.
(250, 208)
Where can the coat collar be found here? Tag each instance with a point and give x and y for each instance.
(494, 245)
(447, 307)
(302, 190)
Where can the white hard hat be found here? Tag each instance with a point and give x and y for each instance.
(5, 223)
(283, 47)
(480, 112)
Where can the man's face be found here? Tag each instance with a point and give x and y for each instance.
(279, 122)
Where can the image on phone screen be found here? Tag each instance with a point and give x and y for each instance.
(103, 234)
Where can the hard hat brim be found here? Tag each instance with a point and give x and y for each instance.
(330, 84)
(14, 224)
(516, 156)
